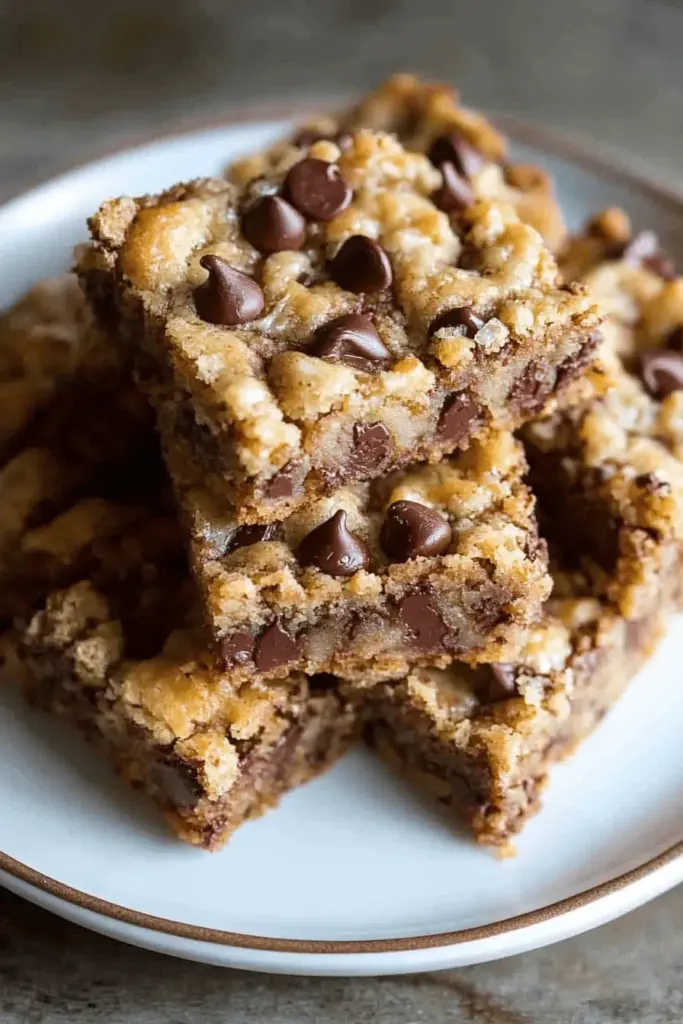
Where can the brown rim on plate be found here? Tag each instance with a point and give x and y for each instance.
(198, 933)
(554, 145)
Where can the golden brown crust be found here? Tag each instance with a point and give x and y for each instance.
(259, 401)
(418, 112)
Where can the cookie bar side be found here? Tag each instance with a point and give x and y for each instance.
(413, 569)
(482, 744)
(209, 757)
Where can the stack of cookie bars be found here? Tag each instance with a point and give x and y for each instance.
(273, 474)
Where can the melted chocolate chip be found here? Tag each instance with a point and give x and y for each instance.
(333, 549)
(361, 265)
(454, 194)
(500, 684)
(236, 649)
(530, 390)
(228, 297)
(412, 530)
(272, 224)
(425, 626)
(282, 484)
(352, 340)
(661, 372)
(577, 363)
(275, 647)
(461, 316)
(317, 189)
(371, 450)
(178, 781)
(247, 535)
(457, 417)
(454, 149)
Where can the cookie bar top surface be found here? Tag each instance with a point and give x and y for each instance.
(339, 296)
(416, 567)
(427, 117)
(618, 446)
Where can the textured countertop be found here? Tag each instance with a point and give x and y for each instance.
(76, 77)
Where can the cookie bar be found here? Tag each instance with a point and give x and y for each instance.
(481, 741)
(608, 469)
(331, 323)
(210, 757)
(427, 118)
(47, 341)
(413, 568)
(79, 462)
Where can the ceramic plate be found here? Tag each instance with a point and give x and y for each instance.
(353, 874)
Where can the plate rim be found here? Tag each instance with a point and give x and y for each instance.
(552, 143)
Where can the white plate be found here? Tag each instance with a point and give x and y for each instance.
(353, 874)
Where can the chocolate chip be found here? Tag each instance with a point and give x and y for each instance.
(247, 535)
(575, 364)
(460, 316)
(530, 390)
(317, 189)
(457, 417)
(361, 265)
(271, 224)
(236, 649)
(454, 193)
(282, 484)
(352, 340)
(425, 626)
(674, 339)
(371, 450)
(501, 683)
(661, 372)
(333, 549)
(275, 647)
(227, 297)
(452, 148)
(412, 530)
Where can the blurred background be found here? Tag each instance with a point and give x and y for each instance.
(77, 76)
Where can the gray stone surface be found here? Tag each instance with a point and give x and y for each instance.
(77, 76)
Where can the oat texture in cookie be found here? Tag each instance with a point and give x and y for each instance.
(427, 117)
(331, 322)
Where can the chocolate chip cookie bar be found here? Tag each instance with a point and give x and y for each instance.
(79, 460)
(334, 321)
(482, 741)
(209, 756)
(417, 567)
(427, 117)
(608, 470)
